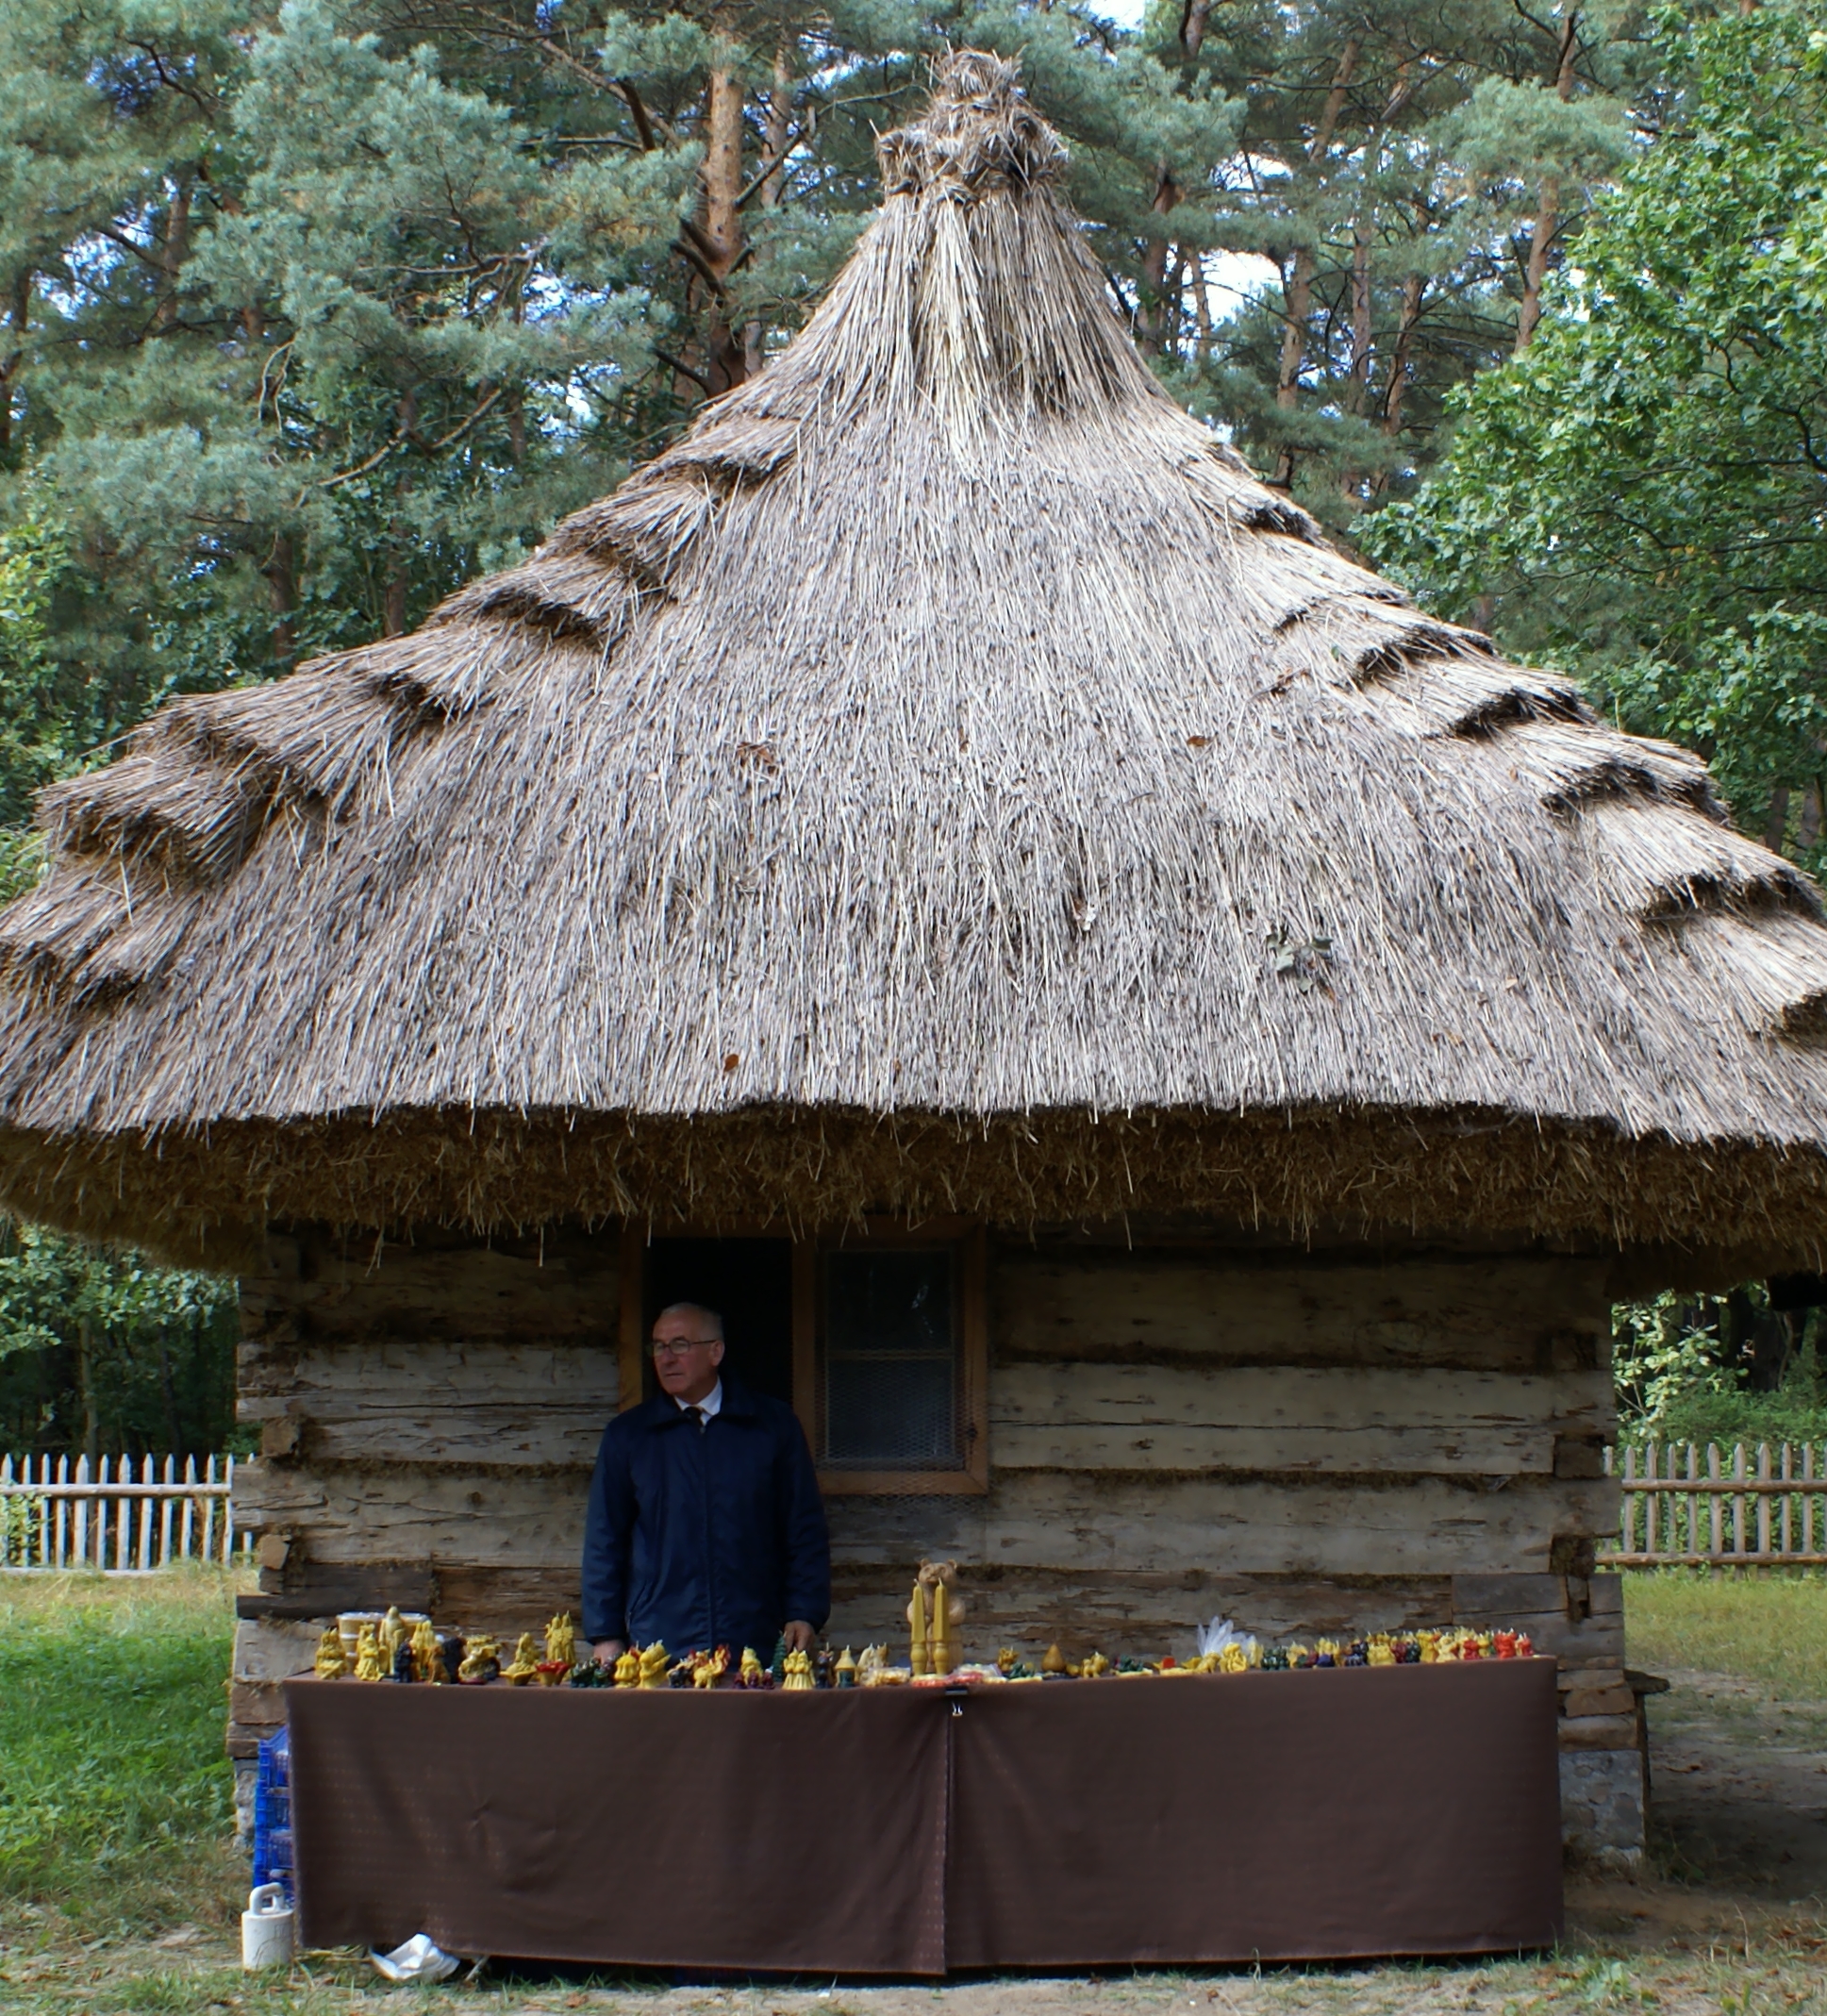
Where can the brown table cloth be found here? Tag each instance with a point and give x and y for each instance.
(1320, 1815)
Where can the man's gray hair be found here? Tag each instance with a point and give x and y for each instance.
(711, 1319)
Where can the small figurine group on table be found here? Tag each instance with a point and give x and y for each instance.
(403, 1648)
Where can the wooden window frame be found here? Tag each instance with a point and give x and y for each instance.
(969, 1241)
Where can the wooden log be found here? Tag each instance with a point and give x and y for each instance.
(1482, 1452)
(487, 1405)
(1041, 1518)
(558, 1289)
(1524, 1314)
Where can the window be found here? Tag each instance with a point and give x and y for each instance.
(888, 1340)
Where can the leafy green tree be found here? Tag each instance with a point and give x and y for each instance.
(1640, 495)
(105, 1354)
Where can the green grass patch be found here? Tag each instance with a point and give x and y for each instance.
(1770, 1631)
(116, 1802)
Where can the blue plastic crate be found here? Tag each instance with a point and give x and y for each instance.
(272, 1812)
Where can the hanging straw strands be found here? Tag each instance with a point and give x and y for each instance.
(946, 780)
(67, 1516)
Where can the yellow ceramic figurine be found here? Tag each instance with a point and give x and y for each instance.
(710, 1671)
(331, 1662)
(393, 1634)
(525, 1666)
(654, 1662)
(798, 1673)
(627, 1669)
(477, 1656)
(426, 1662)
(752, 1672)
(561, 1641)
(371, 1662)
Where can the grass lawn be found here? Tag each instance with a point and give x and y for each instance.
(118, 1889)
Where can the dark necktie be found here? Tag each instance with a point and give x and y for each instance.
(695, 1415)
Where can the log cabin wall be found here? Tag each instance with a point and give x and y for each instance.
(1308, 1441)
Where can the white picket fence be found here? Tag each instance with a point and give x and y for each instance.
(56, 1514)
(1694, 1507)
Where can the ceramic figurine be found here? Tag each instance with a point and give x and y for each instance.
(481, 1662)
(873, 1659)
(331, 1662)
(392, 1632)
(655, 1662)
(627, 1669)
(825, 1668)
(589, 1673)
(370, 1659)
(1525, 1648)
(1054, 1667)
(1504, 1645)
(424, 1651)
(524, 1665)
(1093, 1666)
(711, 1668)
(752, 1672)
(798, 1675)
(405, 1669)
(1380, 1652)
(561, 1639)
(1233, 1658)
(450, 1657)
(844, 1672)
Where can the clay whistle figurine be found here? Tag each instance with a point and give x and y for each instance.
(331, 1662)
(653, 1664)
(561, 1641)
(844, 1672)
(371, 1661)
(481, 1662)
(797, 1678)
(524, 1665)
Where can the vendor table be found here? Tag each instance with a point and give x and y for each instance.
(1276, 1816)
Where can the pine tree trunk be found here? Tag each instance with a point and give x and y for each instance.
(774, 129)
(719, 238)
(13, 362)
(1300, 289)
(1548, 203)
(176, 250)
(1777, 825)
(1412, 289)
(282, 591)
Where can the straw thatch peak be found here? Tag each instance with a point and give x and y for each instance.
(947, 777)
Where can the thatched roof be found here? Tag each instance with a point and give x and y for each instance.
(946, 778)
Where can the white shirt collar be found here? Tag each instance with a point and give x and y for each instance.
(708, 1405)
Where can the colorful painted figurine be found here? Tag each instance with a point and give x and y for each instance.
(845, 1671)
(371, 1661)
(524, 1665)
(797, 1678)
(331, 1662)
(481, 1662)
(627, 1669)
(653, 1664)
(561, 1639)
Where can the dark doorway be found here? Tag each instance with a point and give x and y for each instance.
(749, 1282)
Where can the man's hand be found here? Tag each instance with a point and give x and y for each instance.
(800, 1635)
(609, 1651)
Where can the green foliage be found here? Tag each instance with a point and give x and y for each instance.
(1639, 498)
(1682, 1372)
(107, 1354)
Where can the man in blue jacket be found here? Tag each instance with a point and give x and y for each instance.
(706, 1526)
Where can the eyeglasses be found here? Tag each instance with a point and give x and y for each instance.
(673, 1346)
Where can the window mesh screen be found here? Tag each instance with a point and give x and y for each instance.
(891, 1360)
